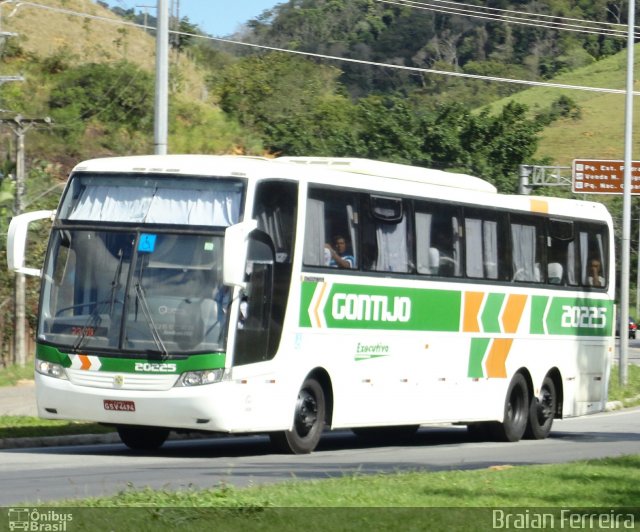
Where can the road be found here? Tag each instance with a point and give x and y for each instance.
(40, 475)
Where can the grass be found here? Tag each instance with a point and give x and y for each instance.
(606, 482)
(13, 374)
(564, 494)
(629, 395)
(32, 427)
(418, 500)
(599, 132)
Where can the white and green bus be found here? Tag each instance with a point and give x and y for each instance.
(288, 296)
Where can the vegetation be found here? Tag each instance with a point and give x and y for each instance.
(34, 427)
(628, 395)
(565, 496)
(13, 374)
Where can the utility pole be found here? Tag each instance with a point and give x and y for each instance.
(626, 200)
(20, 126)
(162, 79)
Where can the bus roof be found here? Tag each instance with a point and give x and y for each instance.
(395, 171)
(199, 164)
(353, 169)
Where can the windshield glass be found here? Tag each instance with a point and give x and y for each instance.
(134, 291)
(152, 199)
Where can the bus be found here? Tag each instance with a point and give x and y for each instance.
(289, 296)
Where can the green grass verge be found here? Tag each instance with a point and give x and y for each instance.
(594, 483)
(629, 395)
(29, 427)
(12, 375)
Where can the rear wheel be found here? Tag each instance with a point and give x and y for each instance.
(142, 438)
(516, 411)
(308, 421)
(542, 411)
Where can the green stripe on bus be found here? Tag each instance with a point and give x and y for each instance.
(538, 306)
(491, 313)
(571, 316)
(476, 356)
(379, 307)
(127, 365)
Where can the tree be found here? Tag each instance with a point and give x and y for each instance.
(119, 94)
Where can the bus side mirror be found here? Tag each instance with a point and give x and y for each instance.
(17, 241)
(236, 238)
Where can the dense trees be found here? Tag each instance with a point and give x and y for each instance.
(300, 108)
(417, 36)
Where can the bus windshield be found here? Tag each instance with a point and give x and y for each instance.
(134, 292)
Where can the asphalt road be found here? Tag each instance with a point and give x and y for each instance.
(45, 474)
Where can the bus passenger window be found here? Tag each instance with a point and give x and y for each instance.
(385, 235)
(331, 229)
(484, 247)
(560, 253)
(437, 240)
(527, 252)
(591, 244)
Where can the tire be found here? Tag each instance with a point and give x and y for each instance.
(308, 421)
(542, 411)
(142, 438)
(516, 412)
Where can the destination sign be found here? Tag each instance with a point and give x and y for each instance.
(603, 177)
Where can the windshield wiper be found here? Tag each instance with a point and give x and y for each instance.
(93, 320)
(115, 282)
(152, 326)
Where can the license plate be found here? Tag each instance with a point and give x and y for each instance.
(120, 406)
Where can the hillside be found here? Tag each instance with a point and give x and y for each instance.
(598, 132)
(45, 32)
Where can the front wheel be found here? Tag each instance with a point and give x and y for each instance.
(142, 438)
(308, 421)
(542, 411)
(516, 411)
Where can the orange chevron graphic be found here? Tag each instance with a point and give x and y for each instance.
(497, 357)
(86, 362)
(472, 304)
(513, 312)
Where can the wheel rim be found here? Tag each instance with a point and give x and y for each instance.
(306, 412)
(545, 406)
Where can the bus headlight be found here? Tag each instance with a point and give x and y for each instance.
(198, 378)
(50, 369)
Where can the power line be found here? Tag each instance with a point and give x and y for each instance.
(516, 17)
(530, 83)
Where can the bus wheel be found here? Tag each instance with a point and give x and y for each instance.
(308, 421)
(516, 411)
(542, 411)
(142, 438)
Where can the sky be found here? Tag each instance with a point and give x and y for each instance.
(215, 17)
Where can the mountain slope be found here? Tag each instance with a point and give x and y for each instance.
(598, 133)
(55, 29)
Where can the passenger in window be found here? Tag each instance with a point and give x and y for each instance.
(338, 256)
(595, 274)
